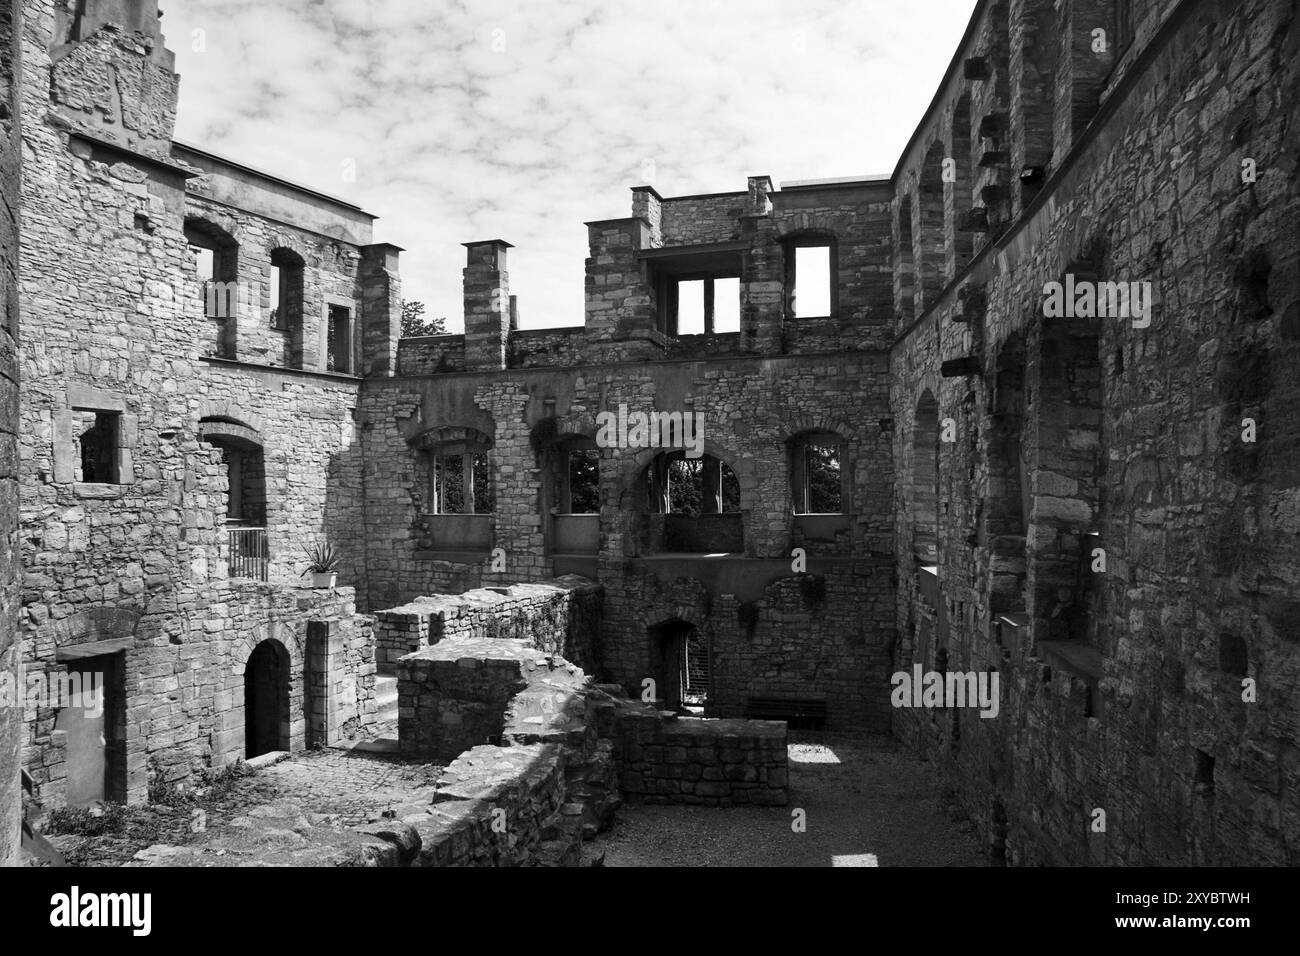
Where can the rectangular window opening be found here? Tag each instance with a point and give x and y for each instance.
(584, 481)
(338, 350)
(818, 479)
(690, 307)
(726, 305)
(452, 494)
(812, 282)
(97, 435)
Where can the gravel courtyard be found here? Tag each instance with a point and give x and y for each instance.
(866, 802)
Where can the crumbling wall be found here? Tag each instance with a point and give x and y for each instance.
(559, 617)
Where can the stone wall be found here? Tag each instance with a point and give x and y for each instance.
(1107, 541)
(453, 696)
(559, 617)
(181, 681)
(710, 762)
(751, 409)
(10, 647)
(132, 561)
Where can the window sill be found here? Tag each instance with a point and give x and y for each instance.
(91, 489)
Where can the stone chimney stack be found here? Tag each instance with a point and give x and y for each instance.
(381, 309)
(760, 201)
(487, 304)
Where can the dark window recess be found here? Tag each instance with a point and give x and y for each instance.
(286, 290)
(1204, 782)
(584, 481)
(338, 347)
(97, 436)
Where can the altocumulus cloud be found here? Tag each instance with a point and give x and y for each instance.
(521, 120)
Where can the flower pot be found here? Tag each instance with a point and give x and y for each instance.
(324, 579)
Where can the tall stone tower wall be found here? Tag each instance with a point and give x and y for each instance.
(10, 716)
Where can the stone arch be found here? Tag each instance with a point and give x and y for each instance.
(228, 411)
(923, 485)
(431, 438)
(742, 468)
(802, 423)
(268, 696)
(220, 430)
(291, 243)
(244, 645)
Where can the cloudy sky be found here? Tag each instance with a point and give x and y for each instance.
(520, 121)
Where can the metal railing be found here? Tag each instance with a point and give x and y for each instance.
(249, 557)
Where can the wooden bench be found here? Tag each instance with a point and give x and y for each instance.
(799, 713)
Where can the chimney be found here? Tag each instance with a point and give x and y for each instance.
(487, 304)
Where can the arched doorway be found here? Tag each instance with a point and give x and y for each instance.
(266, 699)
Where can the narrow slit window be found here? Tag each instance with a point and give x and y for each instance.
(339, 340)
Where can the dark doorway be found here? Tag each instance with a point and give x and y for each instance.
(680, 657)
(266, 699)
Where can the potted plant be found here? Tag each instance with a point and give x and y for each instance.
(323, 565)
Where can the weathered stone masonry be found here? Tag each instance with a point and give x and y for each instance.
(173, 460)
(176, 458)
(10, 647)
(1122, 687)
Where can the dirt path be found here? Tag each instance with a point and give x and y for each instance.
(863, 797)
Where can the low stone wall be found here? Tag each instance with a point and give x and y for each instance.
(453, 696)
(500, 806)
(663, 759)
(558, 617)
